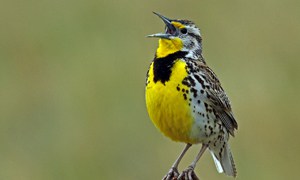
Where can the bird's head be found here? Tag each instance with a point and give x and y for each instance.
(179, 35)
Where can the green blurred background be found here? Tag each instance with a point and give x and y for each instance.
(72, 76)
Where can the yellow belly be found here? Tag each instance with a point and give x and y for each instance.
(167, 107)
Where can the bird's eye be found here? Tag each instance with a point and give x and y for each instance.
(183, 30)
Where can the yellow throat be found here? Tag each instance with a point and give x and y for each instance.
(168, 46)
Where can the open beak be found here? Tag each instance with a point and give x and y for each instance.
(170, 28)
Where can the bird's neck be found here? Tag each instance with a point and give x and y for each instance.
(162, 67)
(194, 52)
(168, 46)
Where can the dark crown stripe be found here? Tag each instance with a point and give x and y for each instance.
(162, 66)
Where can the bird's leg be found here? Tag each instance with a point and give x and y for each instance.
(173, 172)
(188, 173)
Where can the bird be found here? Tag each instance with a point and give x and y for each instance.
(185, 99)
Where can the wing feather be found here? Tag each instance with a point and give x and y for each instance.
(218, 99)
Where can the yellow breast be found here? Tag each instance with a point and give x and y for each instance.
(168, 104)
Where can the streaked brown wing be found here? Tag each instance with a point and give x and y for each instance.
(218, 99)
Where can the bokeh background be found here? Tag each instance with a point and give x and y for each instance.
(72, 77)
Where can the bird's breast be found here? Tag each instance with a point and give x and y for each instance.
(168, 103)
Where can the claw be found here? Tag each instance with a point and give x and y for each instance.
(172, 174)
(188, 174)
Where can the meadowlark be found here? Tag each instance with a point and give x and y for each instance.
(185, 100)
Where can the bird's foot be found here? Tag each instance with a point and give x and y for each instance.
(188, 174)
(172, 174)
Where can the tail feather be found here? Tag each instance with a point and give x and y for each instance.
(224, 163)
(217, 163)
